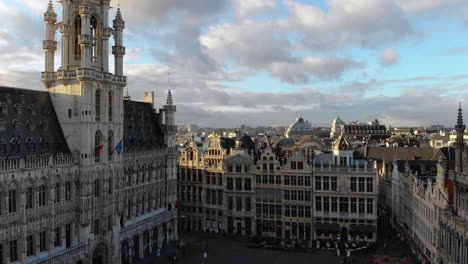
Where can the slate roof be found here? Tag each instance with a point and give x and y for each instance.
(404, 153)
(421, 167)
(142, 127)
(29, 124)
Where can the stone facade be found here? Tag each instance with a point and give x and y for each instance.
(103, 190)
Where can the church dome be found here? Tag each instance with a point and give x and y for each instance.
(338, 120)
(299, 127)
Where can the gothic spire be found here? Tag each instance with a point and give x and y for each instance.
(50, 7)
(460, 117)
(169, 98)
(460, 128)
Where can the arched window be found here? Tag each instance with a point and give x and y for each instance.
(77, 34)
(264, 166)
(42, 189)
(97, 188)
(109, 105)
(93, 30)
(98, 105)
(271, 166)
(57, 191)
(29, 193)
(12, 198)
(98, 145)
(110, 144)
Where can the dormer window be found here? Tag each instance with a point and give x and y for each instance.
(19, 109)
(31, 144)
(4, 108)
(31, 125)
(32, 109)
(16, 124)
(22, 99)
(44, 125)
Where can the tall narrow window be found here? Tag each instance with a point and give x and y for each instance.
(42, 241)
(109, 106)
(77, 34)
(93, 31)
(98, 105)
(57, 193)
(110, 144)
(42, 195)
(98, 145)
(29, 198)
(29, 246)
(12, 198)
(67, 190)
(13, 251)
(58, 237)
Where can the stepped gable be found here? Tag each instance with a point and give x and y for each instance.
(29, 124)
(142, 127)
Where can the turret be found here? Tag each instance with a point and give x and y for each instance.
(118, 50)
(49, 44)
(459, 145)
(169, 122)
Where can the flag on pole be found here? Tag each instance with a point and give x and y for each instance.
(119, 147)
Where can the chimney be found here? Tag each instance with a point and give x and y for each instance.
(149, 98)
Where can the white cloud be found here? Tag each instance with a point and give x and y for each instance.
(389, 57)
(249, 8)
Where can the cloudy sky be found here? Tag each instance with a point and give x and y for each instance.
(264, 62)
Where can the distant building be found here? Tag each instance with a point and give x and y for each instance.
(337, 127)
(300, 127)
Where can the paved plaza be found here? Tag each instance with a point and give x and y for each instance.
(233, 249)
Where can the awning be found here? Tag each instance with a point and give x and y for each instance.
(327, 226)
(362, 228)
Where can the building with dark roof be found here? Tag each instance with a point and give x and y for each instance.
(86, 174)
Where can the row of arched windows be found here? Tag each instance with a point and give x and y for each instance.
(98, 104)
(100, 143)
(34, 195)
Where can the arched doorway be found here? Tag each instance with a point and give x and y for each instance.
(146, 244)
(164, 243)
(155, 238)
(136, 248)
(344, 235)
(239, 228)
(125, 252)
(101, 254)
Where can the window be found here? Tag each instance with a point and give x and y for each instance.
(287, 210)
(286, 195)
(307, 181)
(278, 179)
(334, 204)
(42, 241)
(97, 188)
(293, 180)
(207, 179)
(67, 235)
(110, 144)
(77, 33)
(109, 107)
(67, 190)
(220, 197)
(326, 204)
(300, 180)
(239, 204)
(42, 195)
(248, 204)
(58, 237)
(294, 195)
(238, 184)
(344, 205)
(238, 168)
(29, 198)
(326, 183)
(300, 165)
(333, 183)
(247, 184)
(353, 184)
(361, 205)
(12, 200)
(13, 250)
(98, 105)
(370, 185)
(96, 226)
(370, 206)
(57, 193)
(98, 145)
(307, 195)
(230, 183)
(286, 180)
(293, 165)
(318, 183)
(353, 205)
(318, 203)
(361, 185)
(229, 168)
(230, 203)
(93, 31)
(29, 246)
(307, 212)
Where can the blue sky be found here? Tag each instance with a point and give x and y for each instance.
(264, 62)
